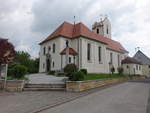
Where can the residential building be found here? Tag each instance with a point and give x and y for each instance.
(131, 66)
(141, 57)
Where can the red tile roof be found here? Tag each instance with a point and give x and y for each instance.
(71, 51)
(73, 31)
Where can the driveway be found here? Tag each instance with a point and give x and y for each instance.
(42, 78)
(129, 97)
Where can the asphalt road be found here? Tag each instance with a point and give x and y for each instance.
(129, 97)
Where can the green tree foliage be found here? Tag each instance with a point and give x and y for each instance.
(18, 71)
(120, 70)
(70, 68)
(24, 58)
(77, 76)
(84, 71)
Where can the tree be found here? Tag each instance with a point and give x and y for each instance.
(112, 69)
(7, 52)
(24, 58)
(120, 70)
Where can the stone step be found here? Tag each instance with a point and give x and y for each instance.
(45, 86)
(44, 89)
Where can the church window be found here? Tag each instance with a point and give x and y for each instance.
(136, 67)
(127, 66)
(54, 48)
(118, 60)
(99, 54)
(44, 51)
(107, 30)
(111, 58)
(69, 59)
(49, 48)
(139, 67)
(97, 31)
(53, 63)
(88, 51)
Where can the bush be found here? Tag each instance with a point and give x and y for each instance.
(77, 76)
(60, 74)
(84, 71)
(120, 70)
(18, 71)
(51, 72)
(70, 68)
(112, 70)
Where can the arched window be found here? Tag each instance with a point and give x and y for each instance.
(88, 51)
(53, 64)
(54, 48)
(44, 51)
(99, 54)
(97, 31)
(107, 30)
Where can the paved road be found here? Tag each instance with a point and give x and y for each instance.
(129, 97)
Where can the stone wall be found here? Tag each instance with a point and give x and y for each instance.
(12, 85)
(77, 86)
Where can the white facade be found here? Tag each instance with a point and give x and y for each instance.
(80, 46)
(132, 69)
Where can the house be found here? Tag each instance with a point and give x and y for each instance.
(131, 66)
(93, 49)
(141, 57)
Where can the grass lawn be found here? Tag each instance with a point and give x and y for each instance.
(102, 76)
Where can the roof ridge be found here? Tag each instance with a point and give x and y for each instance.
(143, 54)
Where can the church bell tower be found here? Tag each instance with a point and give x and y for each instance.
(103, 27)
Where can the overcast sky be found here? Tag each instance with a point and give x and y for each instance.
(27, 22)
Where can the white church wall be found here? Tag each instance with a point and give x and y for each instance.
(93, 66)
(115, 61)
(56, 57)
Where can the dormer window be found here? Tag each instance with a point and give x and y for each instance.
(97, 31)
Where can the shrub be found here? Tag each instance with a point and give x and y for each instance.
(77, 76)
(70, 68)
(51, 72)
(60, 74)
(120, 70)
(18, 71)
(84, 71)
(112, 70)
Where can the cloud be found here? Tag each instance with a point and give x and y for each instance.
(28, 23)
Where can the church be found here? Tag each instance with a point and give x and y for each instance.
(91, 49)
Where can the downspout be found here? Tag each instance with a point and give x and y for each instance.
(80, 53)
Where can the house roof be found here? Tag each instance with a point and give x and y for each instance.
(141, 57)
(130, 60)
(72, 31)
(71, 51)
